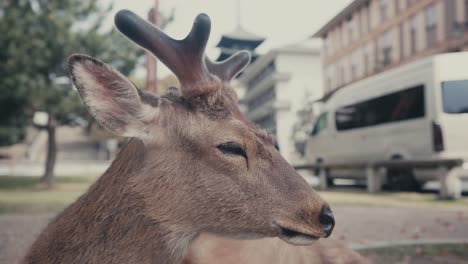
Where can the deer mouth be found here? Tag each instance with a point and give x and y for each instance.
(296, 237)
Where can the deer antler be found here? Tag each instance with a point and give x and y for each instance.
(186, 57)
(230, 67)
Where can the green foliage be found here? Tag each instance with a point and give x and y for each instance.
(37, 37)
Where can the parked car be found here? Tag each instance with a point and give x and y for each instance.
(416, 111)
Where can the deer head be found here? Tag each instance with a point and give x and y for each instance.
(204, 167)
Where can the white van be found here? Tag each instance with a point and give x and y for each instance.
(416, 111)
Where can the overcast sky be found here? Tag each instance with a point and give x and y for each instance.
(280, 22)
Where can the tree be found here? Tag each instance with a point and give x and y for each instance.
(306, 116)
(37, 37)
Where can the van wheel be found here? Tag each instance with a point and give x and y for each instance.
(330, 181)
(401, 180)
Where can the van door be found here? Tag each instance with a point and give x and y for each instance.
(454, 120)
(397, 125)
(317, 145)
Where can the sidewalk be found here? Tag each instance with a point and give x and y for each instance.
(363, 227)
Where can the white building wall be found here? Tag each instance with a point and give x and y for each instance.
(305, 79)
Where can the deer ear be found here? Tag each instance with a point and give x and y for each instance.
(111, 98)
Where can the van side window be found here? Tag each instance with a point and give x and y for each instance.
(399, 106)
(320, 124)
(454, 96)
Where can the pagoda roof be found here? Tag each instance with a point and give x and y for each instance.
(242, 37)
(226, 53)
(241, 34)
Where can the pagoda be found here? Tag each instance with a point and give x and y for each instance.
(239, 39)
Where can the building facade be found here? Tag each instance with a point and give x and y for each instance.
(371, 36)
(235, 41)
(276, 86)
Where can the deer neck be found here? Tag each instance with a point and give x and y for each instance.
(108, 224)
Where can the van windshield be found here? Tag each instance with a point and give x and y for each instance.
(455, 97)
(320, 125)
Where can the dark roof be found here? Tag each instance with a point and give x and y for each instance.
(237, 40)
(344, 14)
(242, 38)
(226, 53)
(241, 34)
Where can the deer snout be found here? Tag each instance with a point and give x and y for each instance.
(327, 220)
(304, 227)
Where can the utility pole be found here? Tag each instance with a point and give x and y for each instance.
(151, 63)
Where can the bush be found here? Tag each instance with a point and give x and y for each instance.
(11, 135)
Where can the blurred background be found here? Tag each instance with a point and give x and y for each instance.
(368, 99)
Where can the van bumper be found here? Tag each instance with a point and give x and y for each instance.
(424, 175)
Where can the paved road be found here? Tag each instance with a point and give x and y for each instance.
(359, 226)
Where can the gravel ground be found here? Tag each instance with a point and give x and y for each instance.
(359, 226)
(420, 254)
(17, 232)
(366, 226)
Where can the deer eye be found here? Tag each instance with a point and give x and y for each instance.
(232, 148)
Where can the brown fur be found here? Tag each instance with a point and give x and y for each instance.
(210, 249)
(157, 196)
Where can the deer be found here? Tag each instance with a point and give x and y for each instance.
(193, 164)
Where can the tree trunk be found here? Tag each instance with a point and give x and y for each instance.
(47, 179)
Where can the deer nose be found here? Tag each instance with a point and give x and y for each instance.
(327, 221)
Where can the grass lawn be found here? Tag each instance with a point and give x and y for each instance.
(18, 195)
(420, 254)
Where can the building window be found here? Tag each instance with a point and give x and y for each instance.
(342, 75)
(270, 69)
(431, 26)
(350, 30)
(363, 22)
(333, 42)
(386, 50)
(337, 39)
(466, 12)
(400, 39)
(268, 123)
(365, 53)
(369, 18)
(413, 25)
(326, 48)
(353, 62)
(344, 40)
(383, 10)
(359, 24)
(330, 77)
(264, 98)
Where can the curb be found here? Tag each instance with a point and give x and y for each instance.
(385, 244)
